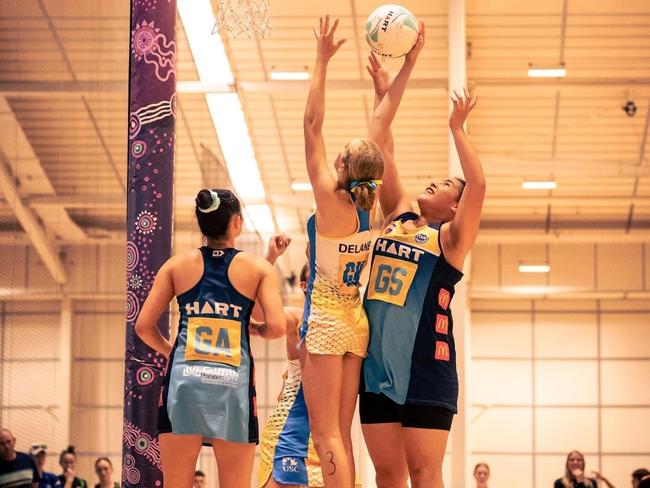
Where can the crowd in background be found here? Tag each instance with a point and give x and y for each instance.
(27, 470)
(18, 470)
(574, 475)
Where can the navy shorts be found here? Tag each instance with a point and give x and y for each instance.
(379, 409)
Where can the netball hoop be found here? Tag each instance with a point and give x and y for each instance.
(242, 17)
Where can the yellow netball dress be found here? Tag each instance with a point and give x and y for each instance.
(334, 321)
(287, 452)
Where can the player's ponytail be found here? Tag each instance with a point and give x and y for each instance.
(365, 167)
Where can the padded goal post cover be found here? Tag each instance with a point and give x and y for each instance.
(150, 153)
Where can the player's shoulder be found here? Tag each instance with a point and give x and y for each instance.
(253, 262)
(181, 260)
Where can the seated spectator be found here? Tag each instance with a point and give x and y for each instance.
(17, 469)
(574, 473)
(38, 452)
(481, 475)
(199, 479)
(641, 478)
(68, 461)
(104, 472)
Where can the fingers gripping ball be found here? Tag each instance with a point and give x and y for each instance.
(391, 30)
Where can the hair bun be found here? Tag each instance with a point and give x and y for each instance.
(207, 200)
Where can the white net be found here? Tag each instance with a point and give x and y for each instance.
(243, 17)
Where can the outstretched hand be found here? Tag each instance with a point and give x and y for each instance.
(277, 245)
(326, 46)
(413, 54)
(463, 105)
(379, 74)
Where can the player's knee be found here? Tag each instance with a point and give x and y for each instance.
(390, 477)
(325, 440)
(425, 475)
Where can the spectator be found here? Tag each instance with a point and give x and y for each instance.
(574, 473)
(17, 469)
(641, 478)
(199, 479)
(68, 461)
(481, 475)
(104, 472)
(38, 452)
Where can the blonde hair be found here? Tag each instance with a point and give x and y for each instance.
(566, 479)
(364, 162)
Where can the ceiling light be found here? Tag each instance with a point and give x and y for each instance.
(534, 268)
(539, 185)
(300, 186)
(262, 218)
(225, 109)
(289, 75)
(236, 146)
(207, 49)
(546, 72)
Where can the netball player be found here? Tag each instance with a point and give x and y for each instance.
(287, 455)
(410, 383)
(209, 389)
(334, 326)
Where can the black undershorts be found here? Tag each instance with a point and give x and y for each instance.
(379, 409)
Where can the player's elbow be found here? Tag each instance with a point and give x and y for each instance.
(141, 328)
(275, 327)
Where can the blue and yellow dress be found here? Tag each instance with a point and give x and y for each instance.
(411, 356)
(286, 451)
(334, 321)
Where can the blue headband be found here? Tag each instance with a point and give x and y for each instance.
(372, 184)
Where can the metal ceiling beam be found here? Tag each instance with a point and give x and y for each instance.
(75, 89)
(568, 236)
(307, 201)
(34, 230)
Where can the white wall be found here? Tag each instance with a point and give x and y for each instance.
(553, 375)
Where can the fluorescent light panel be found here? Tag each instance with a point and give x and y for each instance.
(236, 145)
(225, 108)
(261, 216)
(300, 186)
(289, 75)
(207, 49)
(539, 185)
(534, 268)
(546, 72)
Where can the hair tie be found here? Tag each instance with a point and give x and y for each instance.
(216, 201)
(372, 184)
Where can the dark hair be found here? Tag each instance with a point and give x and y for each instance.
(638, 474)
(481, 464)
(214, 223)
(100, 459)
(462, 188)
(69, 450)
(304, 272)
(198, 472)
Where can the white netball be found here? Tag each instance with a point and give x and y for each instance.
(391, 30)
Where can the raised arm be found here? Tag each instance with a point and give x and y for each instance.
(392, 195)
(385, 112)
(162, 292)
(464, 227)
(276, 247)
(322, 180)
(275, 323)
